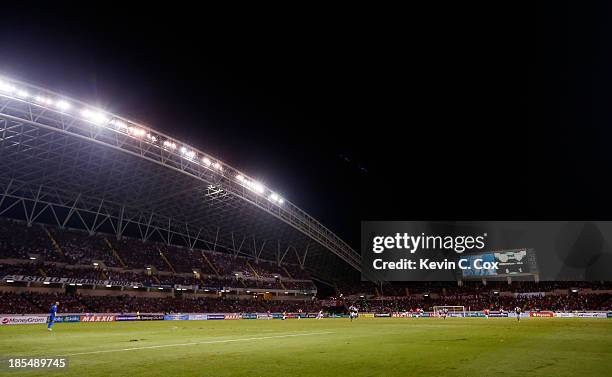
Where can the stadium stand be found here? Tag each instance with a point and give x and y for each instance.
(34, 252)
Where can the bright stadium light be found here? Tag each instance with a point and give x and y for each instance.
(138, 132)
(32, 258)
(258, 187)
(169, 144)
(206, 161)
(10, 281)
(46, 283)
(240, 177)
(281, 201)
(217, 166)
(95, 117)
(62, 105)
(108, 286)
(43, 100)
(119, 124)
(6, 87)
(95, 263)
(22, 93)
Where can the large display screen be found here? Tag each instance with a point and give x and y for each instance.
(508, 263)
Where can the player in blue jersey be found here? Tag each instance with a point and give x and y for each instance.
(52, 314)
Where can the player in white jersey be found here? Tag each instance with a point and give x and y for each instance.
(320, 314)
(353, 312)
(518, 311)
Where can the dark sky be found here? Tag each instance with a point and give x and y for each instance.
(355, 114)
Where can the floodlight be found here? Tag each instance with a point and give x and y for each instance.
(206, 161)
(95, 263)
(281, 201)
(44, 100)
(33, 258)
(240, 177)
(22, 93)
(62, 105)
(258, 187)
(6, 87)
(119, 124)
(274, 197)
(10, 281)
(108, 285)
(46, 282)
(217, 166)
(95, 117)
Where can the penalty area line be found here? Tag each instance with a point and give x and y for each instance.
(197, 343)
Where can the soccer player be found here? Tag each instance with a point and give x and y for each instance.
(444, 313)
(353, 312)
(320, 315)
(52, 314)
(518, 311)
(419, 312)
(486, 313)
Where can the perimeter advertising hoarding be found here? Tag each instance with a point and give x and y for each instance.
(438, 250)
(22, 319)
(68, 318)
(176, 317)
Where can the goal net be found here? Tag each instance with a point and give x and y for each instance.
(453, 311)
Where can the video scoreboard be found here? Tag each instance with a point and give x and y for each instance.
(513, 262)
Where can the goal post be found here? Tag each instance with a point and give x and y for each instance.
(456, 310)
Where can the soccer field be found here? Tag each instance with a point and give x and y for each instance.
(330, 347)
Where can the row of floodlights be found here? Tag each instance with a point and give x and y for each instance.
(100, 118)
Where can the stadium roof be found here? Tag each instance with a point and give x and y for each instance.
(81, 166)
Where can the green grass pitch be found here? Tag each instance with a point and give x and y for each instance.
(330, 347)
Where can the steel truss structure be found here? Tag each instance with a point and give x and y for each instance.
(64, 160)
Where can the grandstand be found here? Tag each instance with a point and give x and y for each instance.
(110, 214)
(96, 196)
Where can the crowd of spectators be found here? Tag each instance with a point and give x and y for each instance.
(567, 302)
(17, 240)
(14, 303)
(78, 248)
(82, 248)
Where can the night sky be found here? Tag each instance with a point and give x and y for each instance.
(356, 114)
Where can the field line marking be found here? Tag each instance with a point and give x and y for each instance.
(197, 343)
